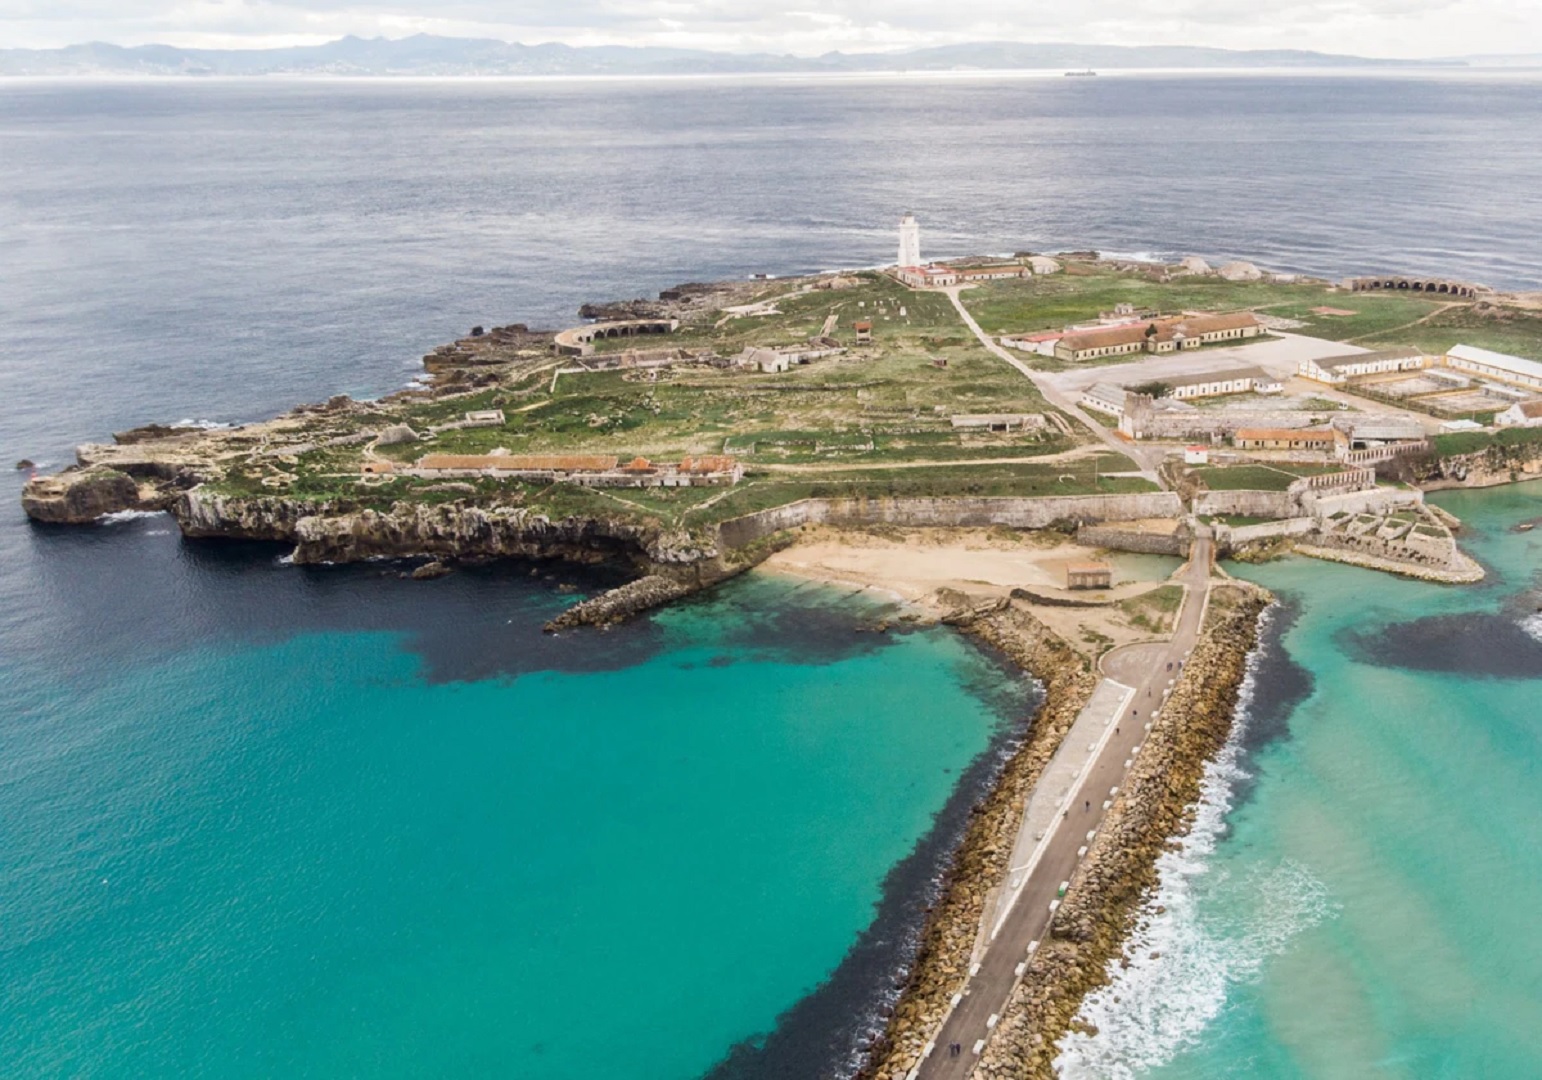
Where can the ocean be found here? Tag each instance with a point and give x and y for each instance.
(262, 820)
(1358, 896)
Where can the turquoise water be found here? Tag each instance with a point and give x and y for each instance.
(304, 857)
(1363, 895)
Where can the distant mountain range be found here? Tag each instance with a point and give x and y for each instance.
(425, 54)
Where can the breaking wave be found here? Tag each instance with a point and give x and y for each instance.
(121, 516)
(1532, 624)
(1204, 931)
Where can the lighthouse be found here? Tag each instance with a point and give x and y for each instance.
(909, 241)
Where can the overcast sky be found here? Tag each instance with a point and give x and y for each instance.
(1404, 28)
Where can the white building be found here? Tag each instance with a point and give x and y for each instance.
(1521, 414)
(1105, 397)
(1493, 365)
(1232, 381)
(1337, 370)
(909, 241)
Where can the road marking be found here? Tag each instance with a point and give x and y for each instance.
(1047, 835)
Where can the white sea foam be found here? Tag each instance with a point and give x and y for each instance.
(207, 425)
(121, 516)
(1203, 932)
(1532, 624)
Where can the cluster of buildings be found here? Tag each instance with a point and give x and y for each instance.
(1114, 400)
(1160, 335)
(589, 470)
(1511, 381)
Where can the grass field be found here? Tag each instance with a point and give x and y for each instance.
(1513, 332)
(1050, 303)
(1257, 477)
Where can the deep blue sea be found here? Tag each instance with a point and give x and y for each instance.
(258, 820)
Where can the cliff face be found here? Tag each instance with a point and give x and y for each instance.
(202, 514)
(1494, 465)
(330, 532)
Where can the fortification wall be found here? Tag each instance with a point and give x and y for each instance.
(1265, 504)
(1268, 530)
(1137, 540)
(979, 511)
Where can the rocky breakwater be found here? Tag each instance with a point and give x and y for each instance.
(941, 966)
(1155, 804)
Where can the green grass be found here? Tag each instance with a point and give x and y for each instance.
(1050, 303)
(1154, 611)
(1253, 477)
(1471, 442)
(1516, 333)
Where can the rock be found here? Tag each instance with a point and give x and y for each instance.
(430, 570)
(395, 435)
(25, 463)
(630, 599)
(1193, 264)
(1241, 271)
(77, 496)
(152, 432)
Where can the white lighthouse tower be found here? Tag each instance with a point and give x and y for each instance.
(909, 241)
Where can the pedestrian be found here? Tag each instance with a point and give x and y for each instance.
(1116, 731)
(1086, 804)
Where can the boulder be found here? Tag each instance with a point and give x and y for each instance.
(430, 570)
(25, 463)
(1193, 264)
(1241, 271)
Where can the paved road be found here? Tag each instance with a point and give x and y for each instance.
(1146, 458)
(1145, 668)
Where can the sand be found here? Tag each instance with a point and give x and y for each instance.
(915, 565)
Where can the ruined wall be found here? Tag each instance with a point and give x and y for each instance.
(979, 511)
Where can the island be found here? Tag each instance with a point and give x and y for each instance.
(998, 442)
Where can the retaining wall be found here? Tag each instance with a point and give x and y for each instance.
(977, 511)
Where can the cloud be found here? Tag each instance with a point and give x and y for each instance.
(1366, 27)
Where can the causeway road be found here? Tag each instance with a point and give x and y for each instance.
(1143, 669)
(1145, 458)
